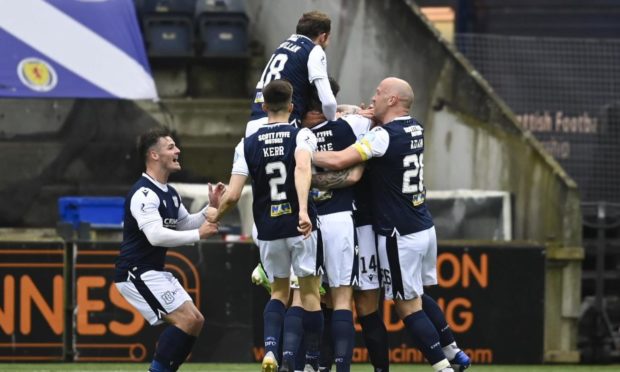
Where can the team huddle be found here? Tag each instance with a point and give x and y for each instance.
(338, 201)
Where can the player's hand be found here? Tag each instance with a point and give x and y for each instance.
(215, 194)
(211, 214)
(208, 229)
(305, 226)
(368, 113)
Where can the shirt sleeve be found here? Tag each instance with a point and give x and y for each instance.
(239, 164)
(306, 140)
(144, 207)
(188, 221)
(328, 101)
(359, 124)
(373, 144)
(317, 64)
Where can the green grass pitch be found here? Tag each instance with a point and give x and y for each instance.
(255, 367)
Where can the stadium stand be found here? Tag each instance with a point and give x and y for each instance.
(168, 27)
(222, 28)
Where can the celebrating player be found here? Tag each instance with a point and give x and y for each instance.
(155, 219)
(407, 242)
(301, 61)
(278, 157)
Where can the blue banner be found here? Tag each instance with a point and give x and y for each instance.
(73, 49)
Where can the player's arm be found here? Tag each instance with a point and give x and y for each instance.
(306, 146)
(230, 198)
(187, 221)
(317, 75)
(338, 179)
(372, 144)
(303, 176)
(144, 207)
(232, 193)
(338, 160)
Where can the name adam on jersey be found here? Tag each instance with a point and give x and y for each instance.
(415, 131)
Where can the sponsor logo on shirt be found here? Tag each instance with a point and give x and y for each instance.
(281, 209)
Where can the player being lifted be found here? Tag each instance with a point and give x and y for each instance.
(406, 235)
(302, 62)
(277, 156)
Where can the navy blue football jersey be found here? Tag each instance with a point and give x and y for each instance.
(362, 211)
(270, 157)
(289, 62)
(334, 136)
(398, 199)
(136, 253)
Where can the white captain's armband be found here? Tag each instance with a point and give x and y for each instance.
(373, 144)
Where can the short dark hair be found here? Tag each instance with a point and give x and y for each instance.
(314, 23)
(314, 103)
(278, 95)
(150, 138)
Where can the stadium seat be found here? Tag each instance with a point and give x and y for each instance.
(169, 36)
(222, 28)
(168, 27)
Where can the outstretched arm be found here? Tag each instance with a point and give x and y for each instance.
(338, 179)
(229, 199)
(338, 160)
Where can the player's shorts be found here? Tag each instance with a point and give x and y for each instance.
(277, 256)
(339, 241)
(154, 294)
(368, 258)
(408, 263)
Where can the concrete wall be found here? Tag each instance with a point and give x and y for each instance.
(473, 140)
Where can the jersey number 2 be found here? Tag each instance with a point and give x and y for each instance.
(417, 171)
(274, 182)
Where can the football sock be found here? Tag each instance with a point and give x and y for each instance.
(327, 348)
(173, 347)
(437, 317)
(376, 340)
(313, 332)
(425, 337)
(300, 357)
(343, 334)
(293, 332)
(273, 318)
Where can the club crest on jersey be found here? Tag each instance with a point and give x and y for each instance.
(418, 199)
(281, 209)
(175, 200)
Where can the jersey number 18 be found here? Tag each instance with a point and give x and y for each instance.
(272, 70)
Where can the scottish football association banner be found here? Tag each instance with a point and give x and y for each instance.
(72, 48)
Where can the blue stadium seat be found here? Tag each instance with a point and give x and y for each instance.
(168, 36)
(168, 27)
(222, 28)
